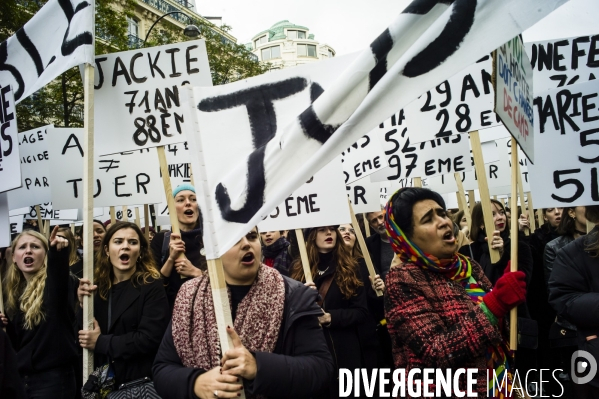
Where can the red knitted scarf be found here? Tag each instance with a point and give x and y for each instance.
(258, 319)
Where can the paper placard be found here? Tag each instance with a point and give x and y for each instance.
(567, 136)
(16, 224)
(48, 212)
(137, 96)
(363, 158)
(35, 169)
(121, 179)
(179, 174)
(321, 201)
(562, 62)
(364, 195)
(4, 222)
(10, 171)
(177, 153)
(513, 95)
(390, 187)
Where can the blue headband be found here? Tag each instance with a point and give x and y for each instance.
(183, 187)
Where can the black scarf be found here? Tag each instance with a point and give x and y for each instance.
(278, 251)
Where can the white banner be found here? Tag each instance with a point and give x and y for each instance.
(179, 174)
(4, 222)
(10, 171)
(120, 179)
(137, 96)
(514, 93)
(58, 37)
(35, 169)
(363, 158)
(321, 201)
(567, 135)
(244, 122)
(562, 62)
(47, 212)
(364, 195)
(16, 224)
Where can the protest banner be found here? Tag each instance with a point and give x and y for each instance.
(364, 196)
(321, 201)
(35, 168)
(16, 224)
(10, 171)
(179, 173)
(390, 187)
(57, 38)
(120, 179)
(46, 211)
(137, 95)
(4, 222)
(567, 131)
(177, 154)
(514, 93)
(328, 115)
(562, 62)
(363, 158)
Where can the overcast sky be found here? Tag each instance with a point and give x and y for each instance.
(351, 25)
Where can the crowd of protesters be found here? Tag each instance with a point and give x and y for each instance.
(436, 300)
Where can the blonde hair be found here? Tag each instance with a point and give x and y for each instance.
(22, 295)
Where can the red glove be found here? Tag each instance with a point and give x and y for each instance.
(509, 291)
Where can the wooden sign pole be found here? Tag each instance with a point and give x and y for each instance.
(471, 200)
(462, 196)
(366, 225)
(112, 215)
(137, 220)
(73, 228)
(147, 221)
(88, 211)
(416, 182)
(514, 245)
(363, 246)
(520, 189)
(301, 243)
(483, 188)
(540, 218)
(125, 217)
(40, 222)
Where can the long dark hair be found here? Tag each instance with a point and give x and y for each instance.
(567, 225)
(145, 268)
(346, 272)
(592, 215)
(478, 220)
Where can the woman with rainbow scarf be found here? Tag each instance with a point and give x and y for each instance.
(442, 312)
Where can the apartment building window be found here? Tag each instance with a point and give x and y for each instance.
(259, 41)
(296, 34)
(306, 50)
(133, 27)
(271, 52)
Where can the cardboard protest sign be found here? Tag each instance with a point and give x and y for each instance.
(16, 224)
(514, 93)
(566, 138)
(179, 173)
(4, 222)
(325, 116)
(498, 173)
(130, 216)
(121, 179)
(363, 158)
(443, 184)
(10, 171)
(49, 212)
(137, 95)
(364, 195)
(177, 154)
(35, 169)
(321, 201)
(58, 37)
(562, 62)
(390, 187)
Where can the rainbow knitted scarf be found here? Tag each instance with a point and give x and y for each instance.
(457, 269)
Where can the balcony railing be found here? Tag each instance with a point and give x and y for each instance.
(135, 42)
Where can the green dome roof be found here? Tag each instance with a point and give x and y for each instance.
(277, 31)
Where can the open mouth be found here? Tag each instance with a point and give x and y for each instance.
(329, 240)
(449, 237)
(248, 258)
(346, 237)
(124, 258)
(188, 212)
(500, 225)
(268, 240)
(28, 261)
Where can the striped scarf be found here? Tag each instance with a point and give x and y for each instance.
(457, 269)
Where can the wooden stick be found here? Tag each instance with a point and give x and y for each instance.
(471, 200)
(366, 225)
(416, 182)
(299, 234)
(483, 188)
(520, 187)
(125, 217)
(137, 220)
(495, 197)
(514, 245)
(540, 218)
(88, 211)
(112, 215)
(462, 196)
(40, 222)
(73, 228)
(531, 212)
(590, 226)
(147, 221)
(363, 246)
(47, 229)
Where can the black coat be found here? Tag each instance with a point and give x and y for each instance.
(299, 366)
(574, 290)
(139, 319)
(11, 385)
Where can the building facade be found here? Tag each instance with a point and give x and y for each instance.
(285, 45)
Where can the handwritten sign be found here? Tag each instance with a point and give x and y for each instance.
(35, 169)
(16, 224)
(48, 212)
(10, 171)
(567, 134)
(4, 222)
(121, 179)
(363, 158)
(179, 173)
(364, 195)
(321, 201)
(137, 96)
(513, 93)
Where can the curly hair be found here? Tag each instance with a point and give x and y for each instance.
(27, 296)
(145, 267)
(346, 271)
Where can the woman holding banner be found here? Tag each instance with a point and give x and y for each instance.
(343, 298)
(130, 307)
(41, 320)
(168, 248)
(440, 309)
(278, 346)
(573, 292)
